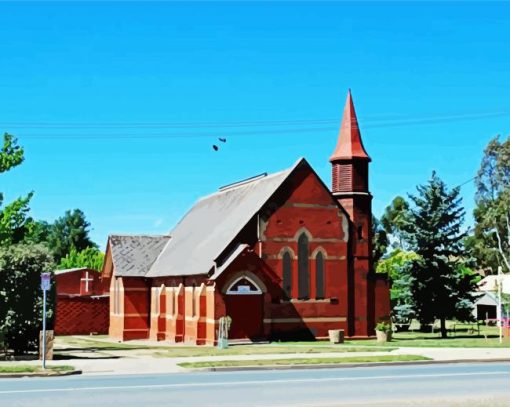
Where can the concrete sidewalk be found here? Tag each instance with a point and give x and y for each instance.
(141, 362)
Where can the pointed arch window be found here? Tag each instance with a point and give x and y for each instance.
(303, 267)
(287, 274)
(319, 276)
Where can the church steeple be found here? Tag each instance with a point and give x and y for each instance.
(349, 165)
(349, 143)
(350, 160)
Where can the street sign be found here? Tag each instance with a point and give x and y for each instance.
(45, 286)
(45, 281)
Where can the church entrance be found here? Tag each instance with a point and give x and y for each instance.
(245, 305)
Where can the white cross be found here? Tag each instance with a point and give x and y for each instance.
(87, 279)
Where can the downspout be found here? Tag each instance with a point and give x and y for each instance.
(258, 235)
(184, 310)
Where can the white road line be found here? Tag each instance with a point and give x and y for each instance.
(250, 382)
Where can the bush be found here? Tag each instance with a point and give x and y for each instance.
(383, 327)
(21, 295)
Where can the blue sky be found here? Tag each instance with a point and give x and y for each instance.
(118, 104)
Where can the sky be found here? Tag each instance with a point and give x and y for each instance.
(117, 105)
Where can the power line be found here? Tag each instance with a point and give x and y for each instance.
(189, 126)
(167, 125)
(466, 182)
(175, 135)
(374, 120)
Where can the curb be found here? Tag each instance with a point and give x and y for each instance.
(344, 365)
(39, 374)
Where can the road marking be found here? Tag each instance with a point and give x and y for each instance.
(251, 382)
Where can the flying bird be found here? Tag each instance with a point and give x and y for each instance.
(215, 147)
(223, 140)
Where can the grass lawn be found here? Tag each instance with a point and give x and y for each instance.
(32, 368)
(303, 361)
(86, 344)
(318, 347)
(488, 338)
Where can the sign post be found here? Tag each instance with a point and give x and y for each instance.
(500, 311)
(45, 286)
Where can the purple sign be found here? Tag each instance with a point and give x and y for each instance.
(45, 281)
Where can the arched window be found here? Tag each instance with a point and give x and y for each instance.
(287, 274)
(303, 268)
(319, 276)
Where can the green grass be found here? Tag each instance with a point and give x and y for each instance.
(303, 361)
(19, 369)
(423, 340)
(73, 343)
(32, 369)
(178, 352)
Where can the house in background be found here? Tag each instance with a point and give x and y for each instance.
(485, 306)
(281, 254)
(82, 305)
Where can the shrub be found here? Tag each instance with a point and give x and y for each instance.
(21, 295)
(383, 327)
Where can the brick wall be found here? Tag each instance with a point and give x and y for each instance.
(82, 315)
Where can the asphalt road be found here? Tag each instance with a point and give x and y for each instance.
(483, 384)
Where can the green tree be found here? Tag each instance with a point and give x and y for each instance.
(21, 296)
(68, 231)
(11, 155)
(38, 231)
(14, 216)
(90, 257)
(398, 268)
(490, 242)
(15, 220)
(379, 241)
(395, 220)
(442, 287)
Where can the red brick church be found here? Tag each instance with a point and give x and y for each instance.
(281, 254)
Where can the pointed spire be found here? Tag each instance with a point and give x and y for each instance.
(349, 143)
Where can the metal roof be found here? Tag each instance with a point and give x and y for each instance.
(212, 223)
(229, 260)
(64, 271)
(132, 256)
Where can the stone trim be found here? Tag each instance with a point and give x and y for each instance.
(310, 301)
(316, 240)
(309, 205)
(246, 273)
(351, 193)
(300, 231)
(282, 251)
(277, 257)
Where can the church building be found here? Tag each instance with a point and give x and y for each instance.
(283, 255)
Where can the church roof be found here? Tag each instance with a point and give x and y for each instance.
(213, 223)
(132, 256)
(350, 144)
(65, 271)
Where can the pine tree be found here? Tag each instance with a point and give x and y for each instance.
(441, 285)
